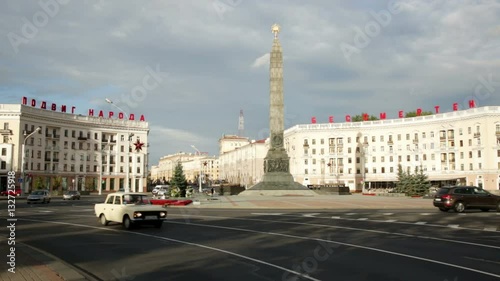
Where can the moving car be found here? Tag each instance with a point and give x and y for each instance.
(13, 192)
(42, 196)
(130, 209)
(71, 195)
(460, 198)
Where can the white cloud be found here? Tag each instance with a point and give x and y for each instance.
(431, 52)
(261, 61)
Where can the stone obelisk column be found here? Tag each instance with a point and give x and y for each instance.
(277, 178)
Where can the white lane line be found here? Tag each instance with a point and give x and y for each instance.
(336, 217)
(350, 214)
(425, 214)
(184, 242)
(343, 244)
(275, 234)
(420, 222)
(490, 229)
(349, 228)
(462, 214)
(390, 220)
(267, 214)
(310, 215)
(453, 225)
(388, 214)
(45, 211)
(362, 219)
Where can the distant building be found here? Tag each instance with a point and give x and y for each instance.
(192, 165)
(71, 151)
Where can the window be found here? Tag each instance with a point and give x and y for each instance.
(432, 134)
(305, 161)
(73, 133)
(374, 159)
(4, 151)
(348, 140)
(381, 138)
(479, 154)
(423, 135)
(391, 159)
(469, 130)
(314, 161)
(382, 170)
(3, 165)
(322, 151)
(424, 157)
(314, 141)
(399, 137)
(382, 159)
(407, 136)
(314, 151)
(470, 154)
(306, 171)
(408, 158)
(460, 131)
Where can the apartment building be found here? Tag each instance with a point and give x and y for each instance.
(71, 151)
(455, 147)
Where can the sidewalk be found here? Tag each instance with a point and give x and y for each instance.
(36, 265)
(355, 201)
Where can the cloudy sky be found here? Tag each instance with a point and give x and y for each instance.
(191, 66)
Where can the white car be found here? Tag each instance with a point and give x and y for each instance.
(130, 209)
(39, 196)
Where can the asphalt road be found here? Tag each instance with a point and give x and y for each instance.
(236, 244)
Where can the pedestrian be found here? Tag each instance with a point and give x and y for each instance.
(212, 191)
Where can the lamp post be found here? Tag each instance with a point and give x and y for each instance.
(129, 135)
(23, 156)
(199, 177)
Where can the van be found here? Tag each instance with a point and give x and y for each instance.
(161, 188)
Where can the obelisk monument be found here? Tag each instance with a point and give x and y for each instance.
(277, 179)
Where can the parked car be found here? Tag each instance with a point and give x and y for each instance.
(161, 190)
(71, 195)
(130, 209)
(460, 198)
(13, 192)
(42, 196)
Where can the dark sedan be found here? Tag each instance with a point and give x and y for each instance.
(460, 198)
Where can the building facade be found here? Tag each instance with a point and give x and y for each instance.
(193, 164)
(71, 151)
(458, 147)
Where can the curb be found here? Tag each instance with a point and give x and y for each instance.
(60, 267)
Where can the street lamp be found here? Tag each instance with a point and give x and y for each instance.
(129, 135)
(199, 177)
(23, 156)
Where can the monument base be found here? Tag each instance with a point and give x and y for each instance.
(278, 184)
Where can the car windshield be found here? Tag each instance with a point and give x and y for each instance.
(37, 193)
(136, 199)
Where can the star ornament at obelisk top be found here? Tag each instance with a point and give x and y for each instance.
(138, 145)
(275, 29)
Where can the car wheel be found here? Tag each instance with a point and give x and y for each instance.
(127, 223)
(158, 224)
(443, 209)
(485, 209)
(103, 219)
(459, 207)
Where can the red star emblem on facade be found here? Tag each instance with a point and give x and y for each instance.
(138, 145)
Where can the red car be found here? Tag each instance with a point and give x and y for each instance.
(15, 192)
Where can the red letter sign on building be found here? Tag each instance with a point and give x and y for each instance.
(472, 103)
(419, 111)
(383, 116)
(400, 114)
(330, 119)
(365, 117)
(313, 120)
(455, 106)
(437, 108)
(348, 118)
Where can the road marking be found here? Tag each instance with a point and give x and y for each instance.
(462, 214)
(274, 234)
(425, 214)
(362, 219)
(420, 222)
(490, 229)
(267, 214)
(45, 211)
(453, 225)
(187, 243)
(335, 217)
(310, 215)
(391, 220)
(388, 214)
(350, 214)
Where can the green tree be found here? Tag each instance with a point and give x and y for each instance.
(414, 113)
(57, 183)
(416, 184)
(179, 180)
(359, 118)
(39, 183)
